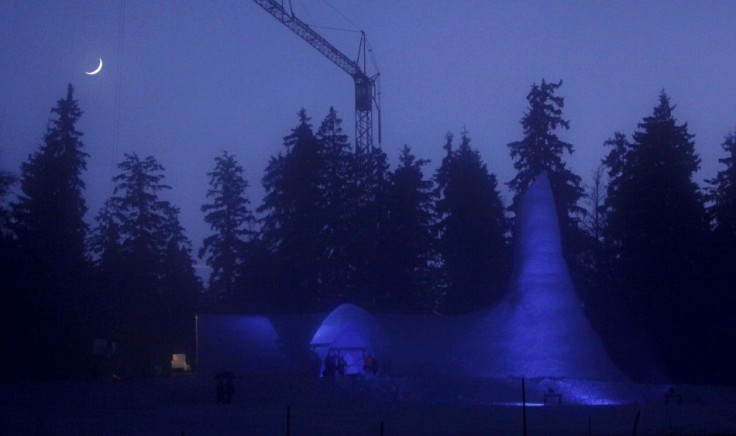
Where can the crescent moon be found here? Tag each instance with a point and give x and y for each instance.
(96, 70)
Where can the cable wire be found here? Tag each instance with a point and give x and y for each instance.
(342, 15)
(118, 79)
(373, 56)
(316, 26)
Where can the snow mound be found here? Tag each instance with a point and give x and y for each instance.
(540, 330)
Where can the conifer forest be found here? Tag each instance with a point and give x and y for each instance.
(651, 252)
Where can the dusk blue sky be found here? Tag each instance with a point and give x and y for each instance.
(196, 78)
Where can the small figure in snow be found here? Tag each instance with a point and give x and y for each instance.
(370, 364)
(330, 365)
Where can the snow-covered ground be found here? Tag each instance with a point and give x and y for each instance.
(358, 406)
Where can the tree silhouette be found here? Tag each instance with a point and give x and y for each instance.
(7, 180)
(325, 208)
(367, 218)
(231, 219)
(49, 214)
(471, 226)
(294, 219)
(406, 240)
(656, 229)
(721, 196)
(49, 224)
(13, 293)
(338, 192)
(145, 260)
(542, 150)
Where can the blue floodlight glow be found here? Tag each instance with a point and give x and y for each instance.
(516, 404)
(538, 332)
(594, 393)
(237, 343)
(346, 332)
(541, 329)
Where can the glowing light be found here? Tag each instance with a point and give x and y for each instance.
(347, 331)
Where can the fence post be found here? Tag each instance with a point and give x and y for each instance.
(523, 404)
(636, 422)
(288, 420)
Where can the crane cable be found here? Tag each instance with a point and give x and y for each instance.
(339, 29)
(343, 16)
(357, 29)
(305, 10)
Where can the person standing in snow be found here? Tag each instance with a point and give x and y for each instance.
(330, 365)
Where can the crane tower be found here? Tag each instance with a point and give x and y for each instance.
(367, 93)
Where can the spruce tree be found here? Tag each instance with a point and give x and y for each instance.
(367, 219)
(49, 214)
(337, 191)
(721, 196)
(145, 260)
(13, 293)
(542, 150)
(615, 164)
(49, 224)
(406, 241)
(294, 220)
(110, 273)
(232, 221)
(471, 226)
(656, 227)
(7, 180)
(181, 290)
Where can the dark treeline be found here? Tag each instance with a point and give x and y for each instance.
(650, 251)
(338, 226)
(662, 254)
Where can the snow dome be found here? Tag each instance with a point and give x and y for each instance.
(349, 332)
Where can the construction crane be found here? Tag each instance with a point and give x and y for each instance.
(367, 92)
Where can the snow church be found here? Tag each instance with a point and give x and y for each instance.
(539, 330)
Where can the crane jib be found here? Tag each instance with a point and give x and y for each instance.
(310, 36)
(366, 92)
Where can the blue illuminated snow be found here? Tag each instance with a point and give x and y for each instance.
(237, 343)
(540, 330)
(349, 331)
(336, 321)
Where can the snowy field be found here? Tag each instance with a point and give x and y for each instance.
(358, 406)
